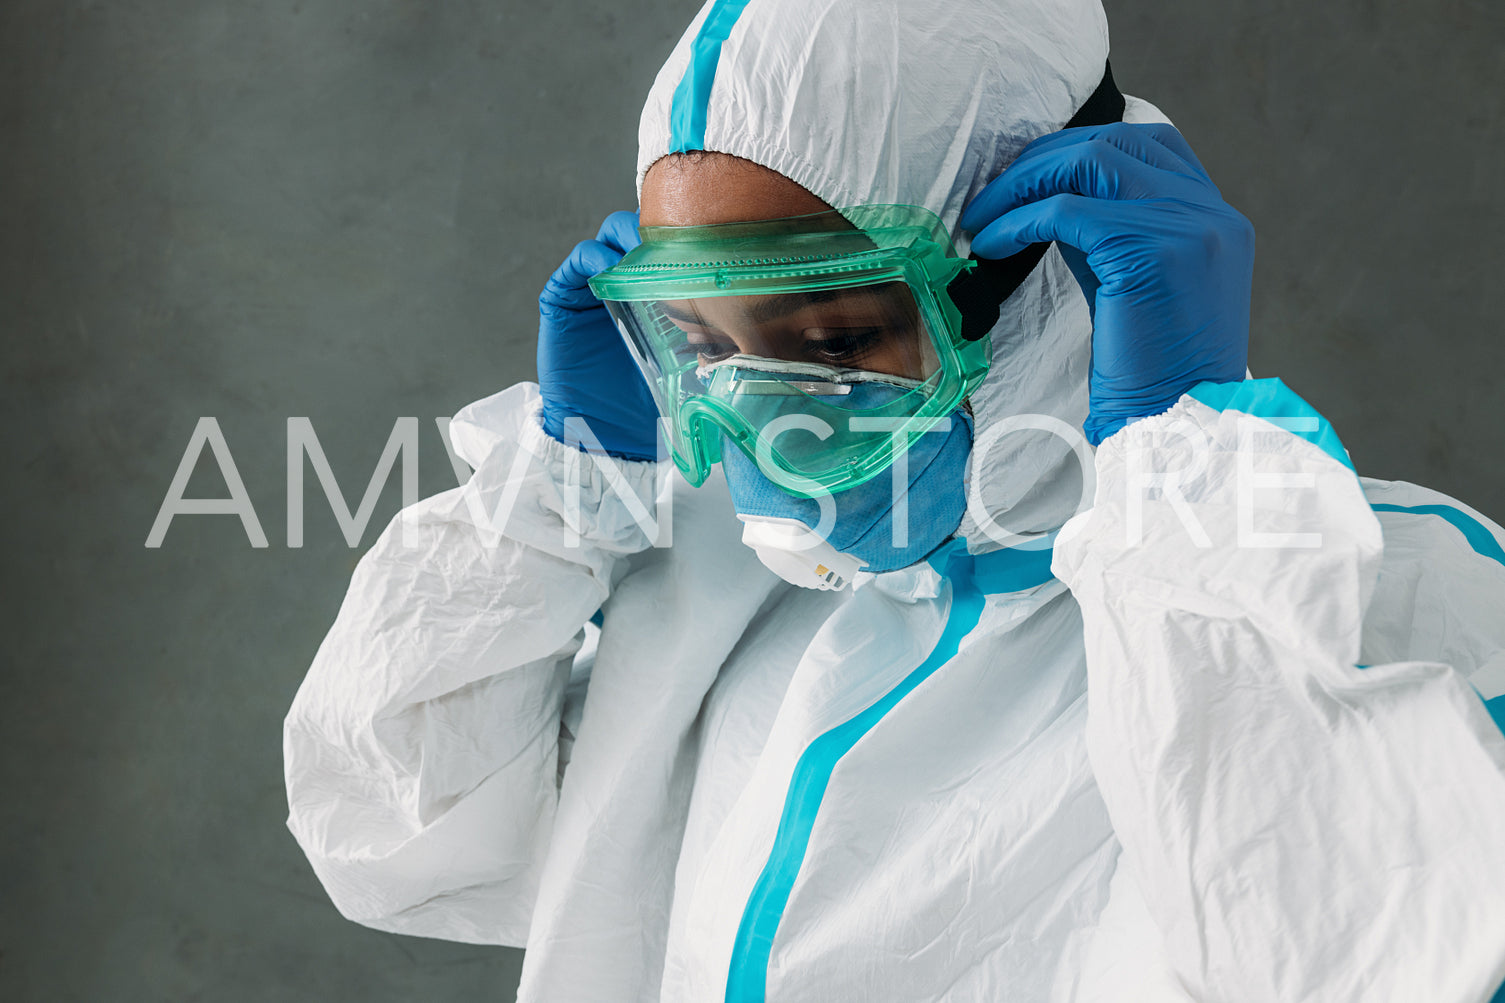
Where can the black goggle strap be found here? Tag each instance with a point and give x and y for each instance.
(979, 292)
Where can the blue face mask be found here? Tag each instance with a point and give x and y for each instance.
(868, 526)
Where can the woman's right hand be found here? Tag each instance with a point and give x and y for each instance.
(584, 367)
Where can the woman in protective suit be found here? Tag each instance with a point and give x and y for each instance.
(897, 688)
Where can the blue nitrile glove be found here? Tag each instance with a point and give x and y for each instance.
(584, 368)
(1165, 263)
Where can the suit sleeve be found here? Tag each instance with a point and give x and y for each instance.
(1302, 828)
(421, 752)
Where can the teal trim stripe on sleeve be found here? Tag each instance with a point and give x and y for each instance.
(1476, 533)
(1278, 404)
(971, 578)
(1485, 545)
(1496, 708)
(688, 110)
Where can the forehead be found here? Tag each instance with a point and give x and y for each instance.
(705, 188)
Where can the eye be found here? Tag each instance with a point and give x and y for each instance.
(842, 345)
(704, 351)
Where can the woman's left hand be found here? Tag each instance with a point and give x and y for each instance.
(1166, 265)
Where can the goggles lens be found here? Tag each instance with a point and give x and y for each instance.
(818, 353)
(874, 328)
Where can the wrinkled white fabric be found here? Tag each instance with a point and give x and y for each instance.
(1242, 815)
(1306, 825)
(924, 104)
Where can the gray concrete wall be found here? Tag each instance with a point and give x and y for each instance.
(344, 211)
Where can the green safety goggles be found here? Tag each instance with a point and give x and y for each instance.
(822, 345)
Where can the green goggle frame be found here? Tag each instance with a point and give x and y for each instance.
(814, 257)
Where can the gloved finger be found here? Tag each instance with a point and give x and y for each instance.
(1152, 142)
(1100, 168)
(1156, 143)
(1145, 142)
(1170, 137)
(1094, 168)
(1075, 220)
(1140, 141)
(566, 288)
(620, 231)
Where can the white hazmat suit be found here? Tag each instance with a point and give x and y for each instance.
(1157, 774)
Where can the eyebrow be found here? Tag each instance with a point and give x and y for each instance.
(673, 313)
(771, 308)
